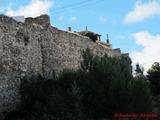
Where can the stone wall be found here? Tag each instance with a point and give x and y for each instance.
(66, 50)
(35, 47)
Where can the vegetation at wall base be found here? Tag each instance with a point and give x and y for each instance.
(101, 87)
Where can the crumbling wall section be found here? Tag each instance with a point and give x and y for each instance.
(20, 55)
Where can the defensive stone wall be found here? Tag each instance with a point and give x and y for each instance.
(35, 47)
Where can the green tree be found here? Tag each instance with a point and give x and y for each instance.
(87, 60)
(105, 85)
(141, 100)
(109, 87)
(154, 78)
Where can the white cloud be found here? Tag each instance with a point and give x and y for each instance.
(33, 9)
(73, 18)
(102, 19)
(143, 11)
(150, 52)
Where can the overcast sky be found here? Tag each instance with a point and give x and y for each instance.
(132, 25)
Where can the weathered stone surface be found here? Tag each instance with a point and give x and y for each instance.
(35, 47)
